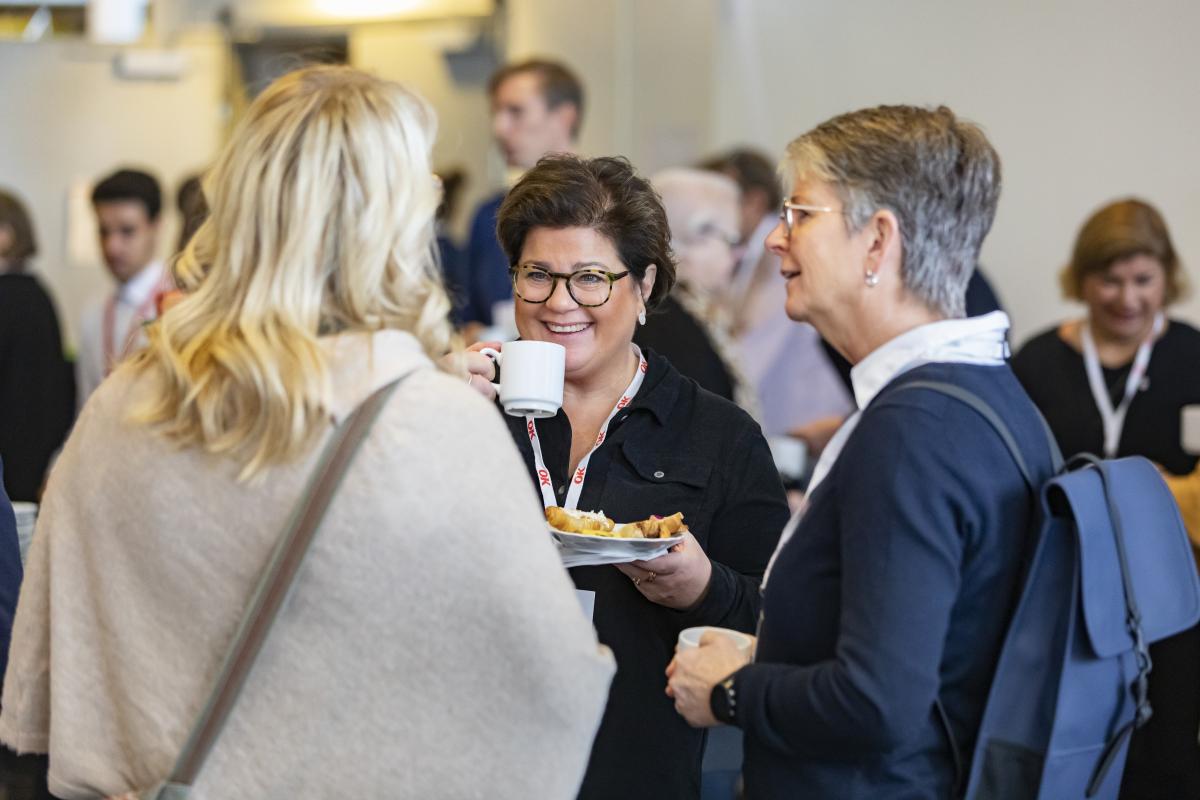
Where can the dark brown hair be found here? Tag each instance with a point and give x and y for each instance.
(604, 194)
(130, 185)
(1118, 231)
(751, 169)
(558, 83)
(193, 209)
(14, 217)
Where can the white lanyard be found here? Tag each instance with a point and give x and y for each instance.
(576, 488)
(1112, 419)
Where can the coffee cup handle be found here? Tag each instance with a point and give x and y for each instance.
(494, 355)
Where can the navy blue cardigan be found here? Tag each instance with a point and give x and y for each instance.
(10, 572)
(895, 590)
(486, 279)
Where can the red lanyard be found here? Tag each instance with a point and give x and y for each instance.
(576, 487)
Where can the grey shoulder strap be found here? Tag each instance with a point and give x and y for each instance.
(985, 410)
(272, 591)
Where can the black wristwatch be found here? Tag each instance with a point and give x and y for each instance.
(723, 701)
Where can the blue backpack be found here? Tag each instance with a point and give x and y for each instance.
(1109, 570)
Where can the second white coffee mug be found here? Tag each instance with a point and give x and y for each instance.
(531, 377)
(690, 637)
(1189, 429)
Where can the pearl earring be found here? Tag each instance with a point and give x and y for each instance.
(872, 278)
(641, 316)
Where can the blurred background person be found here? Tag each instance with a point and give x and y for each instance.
(192, 208)
(798, 391)
(892, 589)
(37, 388)
(218, 424)
(449, 253)
(1114, 383)
(10, 570)
(590, 248)
(128, 206)
(20, 777)
(690, 327)
(537, 108)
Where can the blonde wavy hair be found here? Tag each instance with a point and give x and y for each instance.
(322, 222)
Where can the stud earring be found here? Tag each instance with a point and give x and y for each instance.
(641, 316)
(872, 278)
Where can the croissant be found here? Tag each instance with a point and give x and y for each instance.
(594, 523)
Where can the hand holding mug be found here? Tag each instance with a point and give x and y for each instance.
(481, 370)
(694, 672)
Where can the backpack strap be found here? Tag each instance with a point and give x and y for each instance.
(1133, 623)
(985, 410)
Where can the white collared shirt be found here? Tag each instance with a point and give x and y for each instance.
(129, 298)
(975, 340)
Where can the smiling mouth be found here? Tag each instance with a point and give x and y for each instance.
(567, 329)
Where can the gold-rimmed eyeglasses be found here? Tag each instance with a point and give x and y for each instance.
(791, 213)
(588, 287)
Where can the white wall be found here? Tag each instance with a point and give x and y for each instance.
(1086, 101)
(646, 67)
(413, 54)
(68, 118)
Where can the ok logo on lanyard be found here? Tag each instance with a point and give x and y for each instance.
(576, 487)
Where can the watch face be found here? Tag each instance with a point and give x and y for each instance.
(721, 701)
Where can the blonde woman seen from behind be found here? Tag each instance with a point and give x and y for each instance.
(432, 646)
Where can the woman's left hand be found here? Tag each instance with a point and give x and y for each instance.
(676, 580)
(693, 673)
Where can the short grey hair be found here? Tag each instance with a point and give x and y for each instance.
(938, 174)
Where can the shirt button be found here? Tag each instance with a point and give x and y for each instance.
(562, 490)
(659, 474)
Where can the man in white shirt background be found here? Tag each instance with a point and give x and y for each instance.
(128, 205)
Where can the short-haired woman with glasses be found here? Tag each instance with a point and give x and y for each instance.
(589, 245)
(885, 606)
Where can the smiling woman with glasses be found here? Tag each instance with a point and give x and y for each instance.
(589, 242)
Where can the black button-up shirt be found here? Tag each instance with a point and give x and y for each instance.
(675, 448)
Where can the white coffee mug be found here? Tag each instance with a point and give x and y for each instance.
(790, 455)
(690, 637)
(1189, 429)
(531, 377)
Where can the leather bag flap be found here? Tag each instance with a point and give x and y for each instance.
(1160, 559)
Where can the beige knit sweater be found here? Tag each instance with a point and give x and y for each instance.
(432, 648)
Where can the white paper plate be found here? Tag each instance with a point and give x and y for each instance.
(581, 549)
